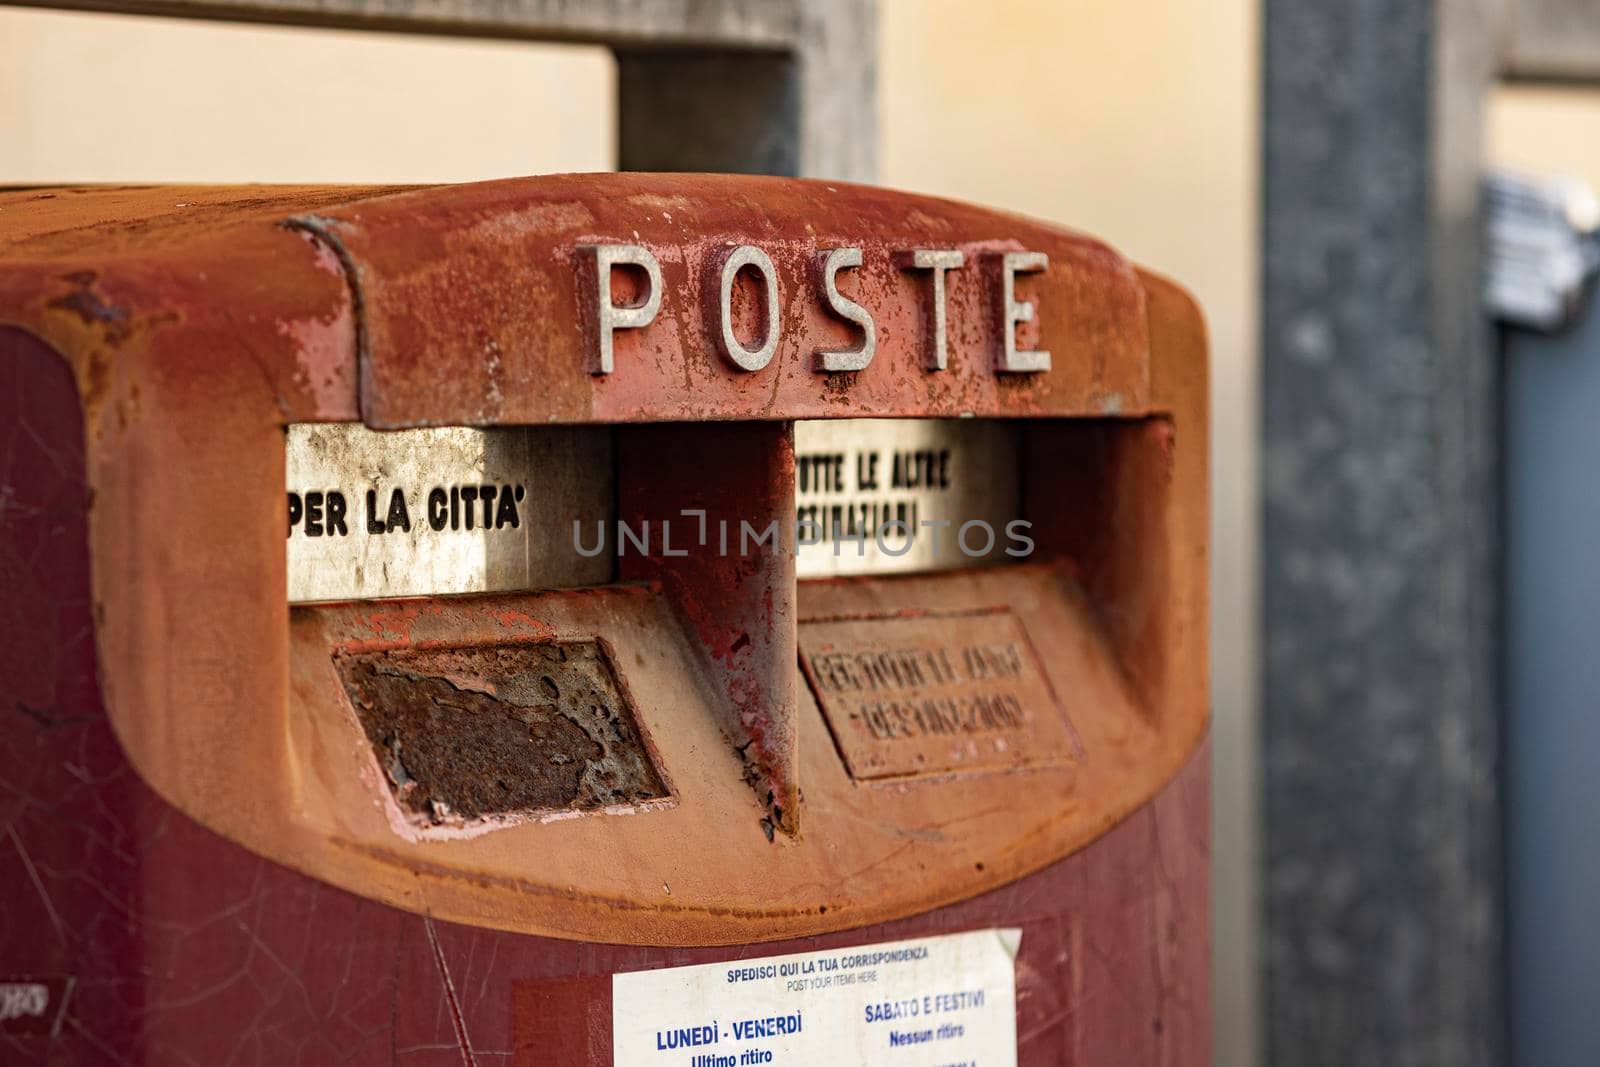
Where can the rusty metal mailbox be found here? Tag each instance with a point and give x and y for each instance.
(676, 620)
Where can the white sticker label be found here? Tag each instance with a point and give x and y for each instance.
(934, 1002)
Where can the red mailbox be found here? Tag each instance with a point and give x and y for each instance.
(643, 619)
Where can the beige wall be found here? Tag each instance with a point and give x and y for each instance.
(1136, 122)
(1553, 129)
(105, 98)
(1133, 121)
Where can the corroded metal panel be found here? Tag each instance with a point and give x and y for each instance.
(472, 738)
(523, 325)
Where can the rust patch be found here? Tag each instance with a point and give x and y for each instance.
(472, 733)
(84, 302)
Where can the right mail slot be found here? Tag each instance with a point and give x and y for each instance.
(888, 496)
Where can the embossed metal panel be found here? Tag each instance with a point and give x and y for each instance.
(935, 693)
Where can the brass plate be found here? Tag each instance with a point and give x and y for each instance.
(934, 694)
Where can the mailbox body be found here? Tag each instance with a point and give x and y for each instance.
(208, 861)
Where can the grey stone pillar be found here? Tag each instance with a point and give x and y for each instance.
(1383, 879)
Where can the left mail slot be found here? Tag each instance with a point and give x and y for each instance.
(443, 510)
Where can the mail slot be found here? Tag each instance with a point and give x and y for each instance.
(624, 619)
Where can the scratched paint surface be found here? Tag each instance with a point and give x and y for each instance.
(191, 325)
(187, 949)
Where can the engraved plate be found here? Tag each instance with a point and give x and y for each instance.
(881, 496)
(934, 694)
(437, 511)
(947, 1000)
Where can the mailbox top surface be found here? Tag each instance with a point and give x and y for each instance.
(483, 304)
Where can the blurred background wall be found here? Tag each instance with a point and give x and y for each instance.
(1549, 128)
(1135, 122)
(108, 98)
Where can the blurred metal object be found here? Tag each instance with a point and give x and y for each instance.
(1542, 248)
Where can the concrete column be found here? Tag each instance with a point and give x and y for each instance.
(1383, 872)
(807, 110)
